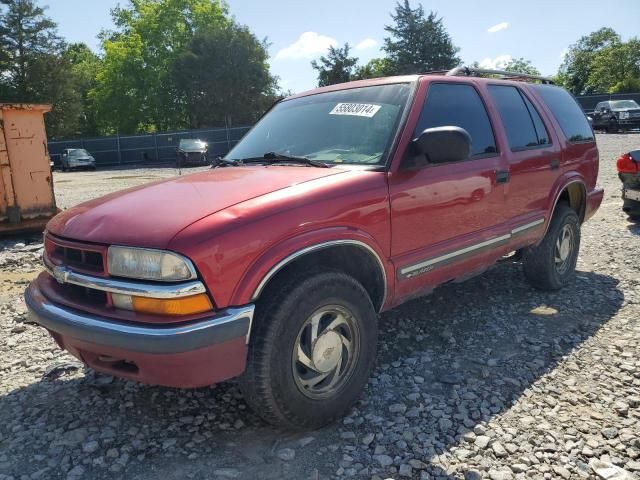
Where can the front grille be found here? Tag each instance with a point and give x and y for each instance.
(83, 295)
(83, 258)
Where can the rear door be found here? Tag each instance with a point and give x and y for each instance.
(447, 219)
(534, 157)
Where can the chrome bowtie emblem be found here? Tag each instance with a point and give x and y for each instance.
(60, 274)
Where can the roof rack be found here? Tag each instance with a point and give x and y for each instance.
(472, 71)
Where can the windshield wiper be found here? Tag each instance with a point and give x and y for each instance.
(224, 162)
(272, 158)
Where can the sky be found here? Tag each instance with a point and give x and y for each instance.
(489, 31)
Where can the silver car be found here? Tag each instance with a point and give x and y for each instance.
(77, 158)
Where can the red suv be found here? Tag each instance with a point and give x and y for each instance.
(340, 203)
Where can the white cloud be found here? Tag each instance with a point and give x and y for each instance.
(366, 43)
(496, 63)
(499, 26)
(308, 45)
(563, 53)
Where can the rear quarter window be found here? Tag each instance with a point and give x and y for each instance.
(565, 109)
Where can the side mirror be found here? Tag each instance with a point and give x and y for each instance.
(443, 144)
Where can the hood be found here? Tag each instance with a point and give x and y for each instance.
(151, 215)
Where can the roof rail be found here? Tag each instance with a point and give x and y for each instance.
(473, 71)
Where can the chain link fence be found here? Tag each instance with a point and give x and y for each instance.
(153, 148)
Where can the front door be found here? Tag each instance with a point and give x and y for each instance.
(447, 219)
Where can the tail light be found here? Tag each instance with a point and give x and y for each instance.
(626, 164)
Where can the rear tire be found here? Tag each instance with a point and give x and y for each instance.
(312, 350)
(551, 264)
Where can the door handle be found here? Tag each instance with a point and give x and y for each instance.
(555, 163)
(502, 176)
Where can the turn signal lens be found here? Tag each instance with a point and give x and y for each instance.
(175, 306)
(160, 306)
(626, 164)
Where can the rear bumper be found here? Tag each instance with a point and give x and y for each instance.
(594, 199)
(181, 355)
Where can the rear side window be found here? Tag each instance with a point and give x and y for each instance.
(564, 107)
(541, 130)
(519, 118)
(450, 104)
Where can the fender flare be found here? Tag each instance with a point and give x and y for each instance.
(562, 184)
(279, 255)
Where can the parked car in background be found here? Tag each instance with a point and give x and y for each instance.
(616, 115)
(629, 173)
(337, 205)
(77, 158)
(192, 151)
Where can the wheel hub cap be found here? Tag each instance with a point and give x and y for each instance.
(326, 352)
(565, 247)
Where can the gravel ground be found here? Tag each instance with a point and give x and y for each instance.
(486, 379)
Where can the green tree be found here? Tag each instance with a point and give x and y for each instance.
(135, 88)
(578, 61)
(32, 65)
(521, 65)
(616, 68)
(27, 38)
(81, 66)
(216, 87)
(374, 68)
(418, 43)
(336, 67)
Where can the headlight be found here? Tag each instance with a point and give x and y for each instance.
(147, 264)
(624, 115)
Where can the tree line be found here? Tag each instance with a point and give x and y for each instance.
(166, 64)
(178, 64)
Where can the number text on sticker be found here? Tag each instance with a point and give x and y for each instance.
(356, 109)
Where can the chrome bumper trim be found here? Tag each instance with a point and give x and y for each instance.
(125, 287)
(160, 339)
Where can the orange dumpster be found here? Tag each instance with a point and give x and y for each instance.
(27, 201)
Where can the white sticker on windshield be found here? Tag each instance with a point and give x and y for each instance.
(356, 109)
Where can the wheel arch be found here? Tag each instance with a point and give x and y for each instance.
(353, 256)
(573, 192)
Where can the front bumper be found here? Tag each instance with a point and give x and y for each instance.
(629, 123)
(191, 354)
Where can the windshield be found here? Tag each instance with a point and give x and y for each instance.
(617, 104)
(78, 152)
(192, 144)
(352, 126)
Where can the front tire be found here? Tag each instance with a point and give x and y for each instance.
(551, 265)
(312, 350)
